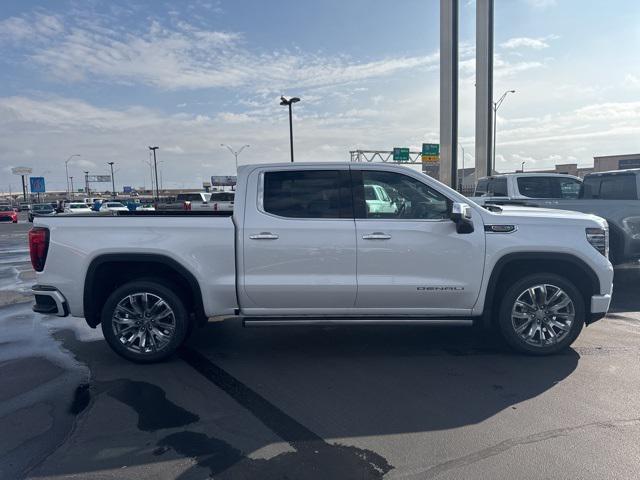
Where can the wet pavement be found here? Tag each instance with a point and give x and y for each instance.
(319, 403)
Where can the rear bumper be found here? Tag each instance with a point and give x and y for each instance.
(49, 301)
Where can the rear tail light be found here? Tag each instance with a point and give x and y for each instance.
(215, 207)
(187, 206)
(38, 247)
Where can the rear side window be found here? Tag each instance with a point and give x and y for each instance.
(492, 187)
(308, 194)
(535, 187)
(619, 187)
(222, 197)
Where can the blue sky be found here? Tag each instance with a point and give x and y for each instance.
(106, 79)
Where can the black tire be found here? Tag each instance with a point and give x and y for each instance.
(30, 218)
(564, 340)
(179, 317)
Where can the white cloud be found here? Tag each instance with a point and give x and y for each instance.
(528, 42)
(631, 80)
(184, 57)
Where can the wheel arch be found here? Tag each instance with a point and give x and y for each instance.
(108, 271)
(525, 263)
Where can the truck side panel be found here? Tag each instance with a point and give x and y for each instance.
(202, 245)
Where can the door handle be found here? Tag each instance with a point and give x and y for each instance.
(376, 236)
(264, 236)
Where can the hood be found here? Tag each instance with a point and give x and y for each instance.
(542, 215)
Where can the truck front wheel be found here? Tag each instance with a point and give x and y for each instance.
(144, 321)
(541, 314)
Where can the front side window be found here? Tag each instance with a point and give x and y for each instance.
(308, 194)
(398, 196)
(569, 187)
(591, 187)
(498, 187)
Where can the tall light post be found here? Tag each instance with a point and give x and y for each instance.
(155, 166)
(496, 106)
(72, 194)
(234, 153)
(288, 103)
(462, 179)
(522, 167)
(66, 168)
(113, 180)
(86, 183)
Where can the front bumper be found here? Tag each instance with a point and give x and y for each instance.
(49, 301)
(599, 307)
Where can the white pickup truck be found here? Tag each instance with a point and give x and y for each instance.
(302, 247)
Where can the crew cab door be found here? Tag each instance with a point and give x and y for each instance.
(298, 241)
(411, 260)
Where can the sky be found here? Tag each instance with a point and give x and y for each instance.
(106, 79)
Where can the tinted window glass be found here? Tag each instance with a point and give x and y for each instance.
(223, 197)
(591, 187)
(619, 187)
(189, 197)
(402, 197)
(569, 187)
(535, 187)
(308, 194)
(498, 187)
(481, 189)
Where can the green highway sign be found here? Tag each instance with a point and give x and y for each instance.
(400, 154)
(431, 149)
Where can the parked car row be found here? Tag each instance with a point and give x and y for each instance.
(614, 196)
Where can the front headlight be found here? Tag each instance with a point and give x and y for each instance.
(632, 225)
(599, 239)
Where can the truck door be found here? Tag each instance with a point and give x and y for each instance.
(410, 257)
(299, 246)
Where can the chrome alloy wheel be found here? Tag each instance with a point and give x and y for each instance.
(542, 315)
(143, 322)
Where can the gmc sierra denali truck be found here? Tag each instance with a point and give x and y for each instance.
(304, 247)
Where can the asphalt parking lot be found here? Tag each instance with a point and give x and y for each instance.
(321, 403)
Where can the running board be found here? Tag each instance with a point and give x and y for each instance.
(327, 322)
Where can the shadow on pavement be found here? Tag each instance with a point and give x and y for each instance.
(311, 384)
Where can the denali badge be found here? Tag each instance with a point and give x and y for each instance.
(442, 289)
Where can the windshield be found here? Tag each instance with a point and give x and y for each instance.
(77, 206)
(46, 208)
(114, 204)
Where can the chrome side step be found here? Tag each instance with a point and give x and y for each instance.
(327, 322)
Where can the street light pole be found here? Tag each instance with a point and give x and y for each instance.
(72, 195)
(86, 183)
(496, 106)
(234, 153)
(522, 167)
(289, 103)
(113, 181)
(462, 179)
(66, 168)
(155, 166)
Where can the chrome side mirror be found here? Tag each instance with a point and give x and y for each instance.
(461, 216)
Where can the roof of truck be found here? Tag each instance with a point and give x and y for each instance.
(634, 171)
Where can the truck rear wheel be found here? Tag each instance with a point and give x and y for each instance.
(144, 321)
(541, 314)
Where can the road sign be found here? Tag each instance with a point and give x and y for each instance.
(430, 152)
(37, 184)
(21, 170)
(224, 180)
(127, 189)
(99, 178)
(400, 154)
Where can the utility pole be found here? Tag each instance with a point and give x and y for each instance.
(113, 181)
(72, 194)
(155, 166)
(86, 183)
(285, 102)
